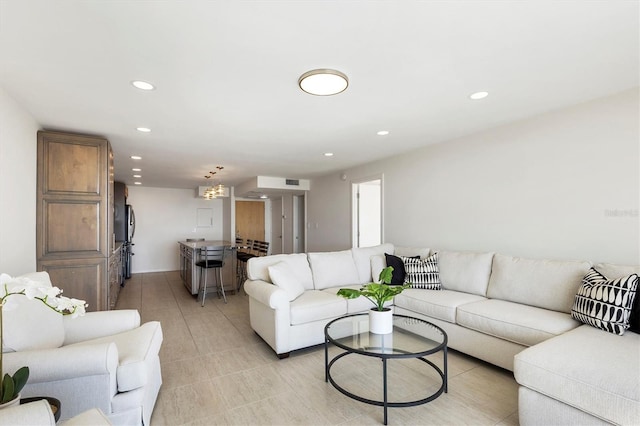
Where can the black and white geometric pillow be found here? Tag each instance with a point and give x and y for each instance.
(422, 273)
(604, 303)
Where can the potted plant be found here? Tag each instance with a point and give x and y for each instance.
(11, 385)
(380, 317)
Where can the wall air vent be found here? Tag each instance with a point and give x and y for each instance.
(295, 182)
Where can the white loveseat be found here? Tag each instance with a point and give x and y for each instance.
(103, 360)
(491, 306)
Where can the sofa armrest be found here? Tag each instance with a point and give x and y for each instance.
(33, 413)
(99, 324)
(65, 363)
(267, 294)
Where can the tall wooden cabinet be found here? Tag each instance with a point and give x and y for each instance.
(74, 221)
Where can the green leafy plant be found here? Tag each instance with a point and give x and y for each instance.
(378, 294)
(10, 386)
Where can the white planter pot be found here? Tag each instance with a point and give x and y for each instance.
(14, 401)
(381, 322)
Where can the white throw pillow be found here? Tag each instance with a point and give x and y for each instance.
(284, 278)
(333, 269)
(30, 324)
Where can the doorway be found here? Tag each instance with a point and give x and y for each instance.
(250, 220)
(276, 225)
(367, 229)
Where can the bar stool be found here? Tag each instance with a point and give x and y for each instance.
(211, 258)
(242, 258)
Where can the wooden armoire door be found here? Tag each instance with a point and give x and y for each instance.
(250, 220)
(74, 218)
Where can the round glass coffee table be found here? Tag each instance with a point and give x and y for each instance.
(410, 338)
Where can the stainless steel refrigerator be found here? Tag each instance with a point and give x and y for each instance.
(130, 220)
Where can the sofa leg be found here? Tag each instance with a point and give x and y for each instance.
(284, 355)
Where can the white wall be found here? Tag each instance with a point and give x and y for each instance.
(18, 157)
(562, 185)
(164, 217)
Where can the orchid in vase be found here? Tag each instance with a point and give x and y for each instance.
(10, 386)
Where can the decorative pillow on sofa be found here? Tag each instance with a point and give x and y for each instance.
(30, 324)
(399, 273)
(282, 277)
(422, 273)
(604, 303)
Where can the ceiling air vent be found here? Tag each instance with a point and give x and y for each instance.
(295, 182)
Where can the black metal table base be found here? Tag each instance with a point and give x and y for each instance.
(385, 402)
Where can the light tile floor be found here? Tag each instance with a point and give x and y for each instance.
(216, 370)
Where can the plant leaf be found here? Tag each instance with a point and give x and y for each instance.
(7, 389)
(349, 293)
(386, 274)
(20, 379)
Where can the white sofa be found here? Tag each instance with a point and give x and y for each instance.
(491, 306)
(103, 360)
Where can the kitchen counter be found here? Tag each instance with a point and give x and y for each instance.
(190, 273)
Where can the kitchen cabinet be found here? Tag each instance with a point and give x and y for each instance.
(75, 213)
(115, 275)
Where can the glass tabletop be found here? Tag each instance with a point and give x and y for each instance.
(410, 337)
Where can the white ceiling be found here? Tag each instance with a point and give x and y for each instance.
(226, 74)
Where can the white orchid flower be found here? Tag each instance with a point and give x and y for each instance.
(31, 289)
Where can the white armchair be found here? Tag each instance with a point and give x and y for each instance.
(104, 360)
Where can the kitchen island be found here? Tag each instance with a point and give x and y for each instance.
(189, 252)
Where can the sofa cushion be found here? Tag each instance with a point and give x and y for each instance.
(316, 305)
(603, 303)
(616, 271)
(28, 323)
(282, 276)
(258, 267)
(548, 284)
(422, 273)
(439, 304)
(465, 271)
(589, 369)
(359, 304)
(378, 263)
(521, 324)
(423, 252)
(333, 269)
(362, 259)
(136, 348)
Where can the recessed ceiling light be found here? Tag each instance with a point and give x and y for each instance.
(136, 157)
(478, 95)
(263, 196)
(136, 170)
(142, 85)
(143, 129)
(383, 133)
(137, 176)
(323, 82)
(328, 154)
(137, 183)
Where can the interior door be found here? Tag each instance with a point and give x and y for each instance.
(367, 213)
(250, 220)
(276, 225)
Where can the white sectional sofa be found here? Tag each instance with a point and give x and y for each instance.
(494, 307)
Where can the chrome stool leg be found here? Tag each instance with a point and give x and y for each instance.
(221, 284)
(205, 272)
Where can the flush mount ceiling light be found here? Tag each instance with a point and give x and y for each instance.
(323, 82)
(328, 154)
(143, 129)
(383, 133)
(142, 85)
(478, 95)
(136, 157)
